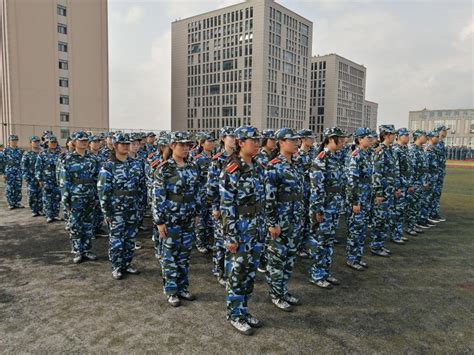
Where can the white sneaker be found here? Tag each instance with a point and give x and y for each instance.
(282, 304)
(242, 327)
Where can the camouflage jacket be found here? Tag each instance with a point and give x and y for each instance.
(219, 160)
(359, 173)
(12, 158)
(432, 164)
(418, 165)
(45, 167)
(406, 174)
(28, 163)
(386, 171)
(202, 163)
(262, 158)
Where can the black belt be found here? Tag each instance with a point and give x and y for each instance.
(289, 197)
(126, 193)
(180, 198)
(249, 209)
(335, 190)
(83, 181)
(365, 180)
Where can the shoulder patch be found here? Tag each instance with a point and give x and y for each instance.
(321, 155)
(163, 163)
(216, 156)
(154, 163)
(232, 168)
(355, 153)
(274, 161)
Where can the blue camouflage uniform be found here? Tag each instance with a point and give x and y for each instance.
(433, 170)
(327, 179)
(418, 164)
(143, 187)
(242, 194)
(386, 175)
(34, 190)
(78, 182)
(359, 172)
(442, 153)
(400, 153)
(45, 171)
(119, 194)
(285, 209)
(219, 160)
(13, 175)
(98, 215)
(175, 197)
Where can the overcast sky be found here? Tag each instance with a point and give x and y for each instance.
(417, 53)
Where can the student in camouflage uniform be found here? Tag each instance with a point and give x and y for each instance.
(285, 217)
(205, 227)
(417, 159)
(94, 151)
(176, 190)
(119, 193)
(219, 160)
(12, 157)
(68, 150)
(359, 195)
(28, 168)
(78, 181)
(400, 152)
(242, 193)
(150, 146)
(386, 174)
(432, 161)
(305, 157)
(325, 203)
(133, 154)
(442, 153)
(45, 171)
(108, 148)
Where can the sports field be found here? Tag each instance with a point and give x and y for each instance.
(421, 300)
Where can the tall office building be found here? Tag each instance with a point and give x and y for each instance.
(54, 67)
(460, 122)
(370, 114)
(337, 94)
(243, 64)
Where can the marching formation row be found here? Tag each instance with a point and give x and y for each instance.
(256, 201)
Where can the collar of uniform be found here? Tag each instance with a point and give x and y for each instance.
(284, 159)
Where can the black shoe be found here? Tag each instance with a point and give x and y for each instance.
(174, 301)
(386, 250)
(253, 321)
(88, 255)
(412, 233)
(363, 264)
(186, 295)
(398, 241)
(355, 266)
(242, 327)
(422, 225)
(131, 270)
(292, 300)
(439, 218)
(333, 280)
(11, 207)
(117, 274)
(19, 206)
(380, 253)
(138, 245)
(35, 214)
(49, 220)
(418, 230)
(322, 283)
(405, 239)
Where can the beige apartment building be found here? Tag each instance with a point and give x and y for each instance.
(337, 94)
(243, 64)
(54, 67)
(460, 122)
(369, 117)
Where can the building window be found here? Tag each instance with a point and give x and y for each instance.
(62, 29)
(64, 117)
(62, 47)
(63, 82)
(63, 64)
(214, 89)
(64, 100)
(64, 133)
(61, 10)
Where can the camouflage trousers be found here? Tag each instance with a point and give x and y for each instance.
(383, 214)
(34, 197)
(219, 253)
(437, 190)
(157, 241)
(51, 200)
(176, 251)
(241, 267)
(322, 242)
(357, 227)
(123, 229)
(398, 217)
(205, 228)
(306, 229)
(413, 209)
(281, 256)
(426, 204)
(13, 188)
(81, 220)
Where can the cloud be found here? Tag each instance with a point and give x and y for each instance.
(133, 15)
(467, 31)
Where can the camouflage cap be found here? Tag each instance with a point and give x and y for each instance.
(362, 132)
(373, 134)
(13, 137)
(52, 139)
(442, 127)
(227, 131)
(207, 137)
(80, 136)
(34, 139)
(247, 132)
(387, 128)
(433, 133)
(305, 133)
(268, 133)
(418, 133)
(120, 138)
(286, 133)
(94, 138)
(403, 132)
(334, 132)
(180, 137)
(163, 141)
(151, 134)
(136, 137)
(109, 134)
